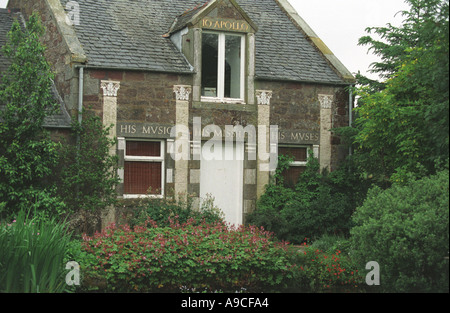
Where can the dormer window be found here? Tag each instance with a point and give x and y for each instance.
(217, 39)
(223, 67)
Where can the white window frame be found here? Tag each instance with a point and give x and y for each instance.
(160, 159)
(221, 71)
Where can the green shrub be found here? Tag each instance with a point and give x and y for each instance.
(162, 211)
(406, 230)
(32, 255)
(178, 257)
(331, 243)
(325, 271)
(320, 203)
(87, 175)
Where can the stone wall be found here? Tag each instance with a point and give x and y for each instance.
(296, 107)
(149, 99)
(142, 98)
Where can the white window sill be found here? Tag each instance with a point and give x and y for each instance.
(298, 163)
(143, 196)
(222, 100)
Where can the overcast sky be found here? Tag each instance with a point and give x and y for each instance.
(340, 23)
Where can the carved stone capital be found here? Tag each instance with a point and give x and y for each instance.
(110, 88)
(263, 97)
(182, 92)
(326, 101)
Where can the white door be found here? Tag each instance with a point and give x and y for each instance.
(221, 177)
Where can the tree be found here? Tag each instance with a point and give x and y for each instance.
(402, 124)
(87, 175)
(27, 155)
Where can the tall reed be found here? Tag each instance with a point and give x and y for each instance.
(32, 252)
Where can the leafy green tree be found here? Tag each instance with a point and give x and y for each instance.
(402, 124)
(27, 155)
(87, 176)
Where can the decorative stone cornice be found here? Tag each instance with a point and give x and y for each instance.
(326, 101)
(110, 88)
(263, 97)
(182, 92)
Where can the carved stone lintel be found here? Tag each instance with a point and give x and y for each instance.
(326, 101)
(182, 92)
(263, 97)
(110, 88)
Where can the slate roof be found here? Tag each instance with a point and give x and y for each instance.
(181, 20)
(128, 34)
(59, 120)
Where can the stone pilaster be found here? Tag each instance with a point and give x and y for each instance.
(251, 68)
(110, 89)
(182, 96)
(326, 102)
(263, 98)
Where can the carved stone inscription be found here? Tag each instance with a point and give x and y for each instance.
(225, 25)
(162, 131)
(141, 130)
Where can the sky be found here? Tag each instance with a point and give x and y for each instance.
(340, 23)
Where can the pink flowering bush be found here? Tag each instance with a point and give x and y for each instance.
(326, 271)
(209, 257)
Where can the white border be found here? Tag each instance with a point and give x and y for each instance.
(221, 71)
(160, 159)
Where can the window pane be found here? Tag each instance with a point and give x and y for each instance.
(210, 54)
(299, 154)
(233, 67)
(142, 178)
(144, 148)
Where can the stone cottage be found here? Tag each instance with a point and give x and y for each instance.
(203, 94)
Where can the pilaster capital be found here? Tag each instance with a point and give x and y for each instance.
(182, 92)
(263, 97)
(110, 88)
(326, 101)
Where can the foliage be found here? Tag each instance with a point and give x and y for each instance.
(87, 175)
(211, 257)
(163, 210)
(320, 203)
(32, 254)
(406, 230)
(403, 122)
(329, 243)
(27, 155)
(330, 271)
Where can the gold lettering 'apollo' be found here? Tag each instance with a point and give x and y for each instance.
(229, 25)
